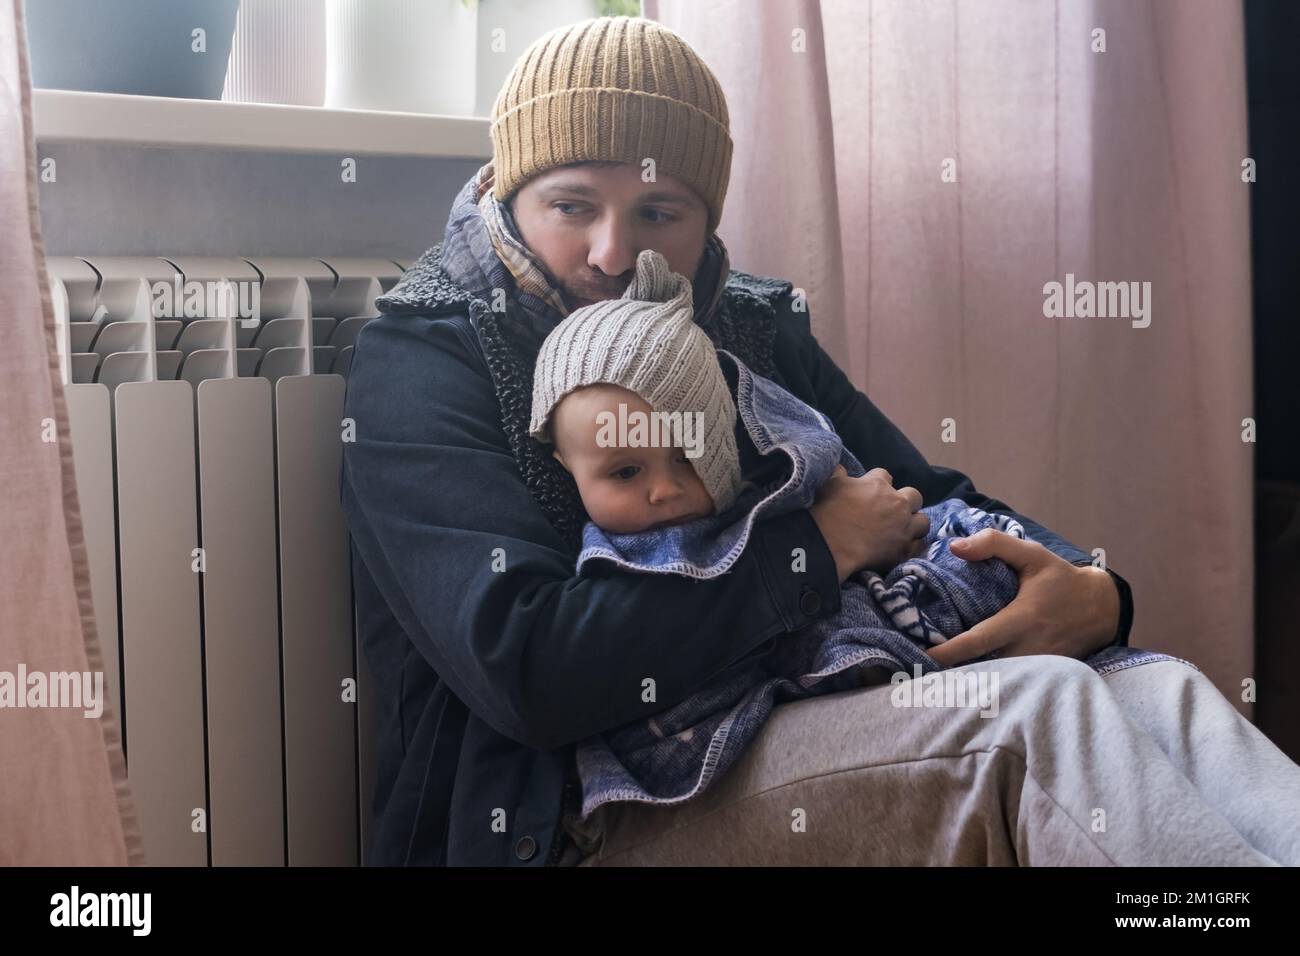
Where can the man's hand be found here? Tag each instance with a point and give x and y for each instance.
(1060, 609)
(867, 522)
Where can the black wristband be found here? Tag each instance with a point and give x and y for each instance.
(1125, 604)
(1125, 609)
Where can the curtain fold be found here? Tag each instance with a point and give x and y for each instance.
(923, 168)
(64, 798)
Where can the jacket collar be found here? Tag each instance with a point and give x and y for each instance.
(425, 288)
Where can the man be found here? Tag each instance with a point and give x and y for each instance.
(491, 658)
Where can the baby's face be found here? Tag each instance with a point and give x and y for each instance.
(624, 489)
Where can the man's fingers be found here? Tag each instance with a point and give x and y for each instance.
(1008, 625)
(991, 543)
(881, 474)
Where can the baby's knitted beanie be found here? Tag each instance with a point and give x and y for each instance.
(648, 343)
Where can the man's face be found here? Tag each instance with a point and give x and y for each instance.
(587, 222)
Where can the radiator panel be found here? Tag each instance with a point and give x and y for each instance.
(161, 651)
(240, 610)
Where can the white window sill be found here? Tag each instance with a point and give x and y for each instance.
(63, 116)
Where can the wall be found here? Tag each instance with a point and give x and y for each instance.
(113, 199)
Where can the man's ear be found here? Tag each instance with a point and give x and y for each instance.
(555, 453)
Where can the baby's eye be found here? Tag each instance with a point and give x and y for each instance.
(627, 472)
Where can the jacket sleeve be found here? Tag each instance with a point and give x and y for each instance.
(485, 587)
(877, 443)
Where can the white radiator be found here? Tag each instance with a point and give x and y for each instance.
(205, 397)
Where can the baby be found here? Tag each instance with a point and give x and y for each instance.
(641, 410)
(631, 394)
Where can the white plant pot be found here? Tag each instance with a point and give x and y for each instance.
(415, 56)
(506, 28)
(279, 53)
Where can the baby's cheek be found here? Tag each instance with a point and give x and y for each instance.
(597, 500)
(590, 500)
(614, 510)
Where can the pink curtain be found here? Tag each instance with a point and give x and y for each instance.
(922, 168)
(64, 799)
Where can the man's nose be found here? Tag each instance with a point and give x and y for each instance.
(611, 248)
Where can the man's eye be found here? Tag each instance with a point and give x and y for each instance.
(568, 204)
(627, 473)
(659, 212)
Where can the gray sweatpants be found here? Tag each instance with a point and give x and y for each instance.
(1145, 766)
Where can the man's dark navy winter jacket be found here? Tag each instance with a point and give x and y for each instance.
(486, 680)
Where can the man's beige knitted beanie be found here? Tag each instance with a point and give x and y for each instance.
(621, 89)
(648, 343)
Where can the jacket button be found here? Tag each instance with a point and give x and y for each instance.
(526, 848)
(810, 602)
